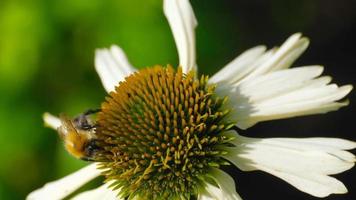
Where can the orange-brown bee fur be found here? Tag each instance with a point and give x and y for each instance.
(79, 136)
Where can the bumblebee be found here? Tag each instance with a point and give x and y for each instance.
(79, 135)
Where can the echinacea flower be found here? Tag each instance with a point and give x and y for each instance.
(164, 133)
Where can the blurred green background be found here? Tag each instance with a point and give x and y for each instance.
(47, 55)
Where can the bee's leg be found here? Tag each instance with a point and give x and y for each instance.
(87, 159)
(91, 111)
(91, 149)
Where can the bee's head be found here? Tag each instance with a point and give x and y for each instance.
(79, 143)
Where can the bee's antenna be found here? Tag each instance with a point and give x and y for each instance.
(82, 121)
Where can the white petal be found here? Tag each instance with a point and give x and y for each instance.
(63, 187)
(112, 66)
(284, 57)
(101, 193)
(279, 82)
(51, 121)
(261, 88)
(299, 103)
(225, 190)
(255, 62)
(304, 163)
(240, 66)
(330, 142)
(283, 94)
(182, 21)
(328, 93)
(290, 50)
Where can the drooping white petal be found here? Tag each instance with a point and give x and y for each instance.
(112, 66)
(283, 94)
(213, 194)
(329, 142)
(225, 190)
(63, 187)
(313, 184)
(51, 121)
(103, 193)
(304, 163)
(182, 21)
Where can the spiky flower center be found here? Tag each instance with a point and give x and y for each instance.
(159, 130)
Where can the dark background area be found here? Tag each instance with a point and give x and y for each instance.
(46, 64)
(331, 27)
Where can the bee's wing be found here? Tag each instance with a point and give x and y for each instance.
(66, 127)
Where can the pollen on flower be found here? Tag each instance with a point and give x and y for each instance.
(159, 131)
